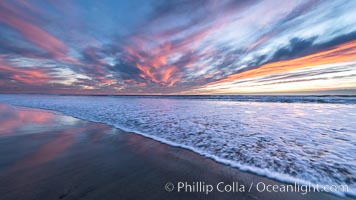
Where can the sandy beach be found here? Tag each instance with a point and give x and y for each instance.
(52, 156)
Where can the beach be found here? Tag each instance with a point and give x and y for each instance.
(46, 155)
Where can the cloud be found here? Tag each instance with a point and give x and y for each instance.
(33, 76)
(34, 34)
(170, 47)
(342, 53)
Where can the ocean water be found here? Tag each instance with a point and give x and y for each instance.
(292, 139)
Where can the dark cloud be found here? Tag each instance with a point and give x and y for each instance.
(297, 47)
(336, 41)
(126, 71)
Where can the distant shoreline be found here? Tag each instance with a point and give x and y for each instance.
(333, 99)
(198, 95)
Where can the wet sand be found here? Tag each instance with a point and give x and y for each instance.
(51, 156)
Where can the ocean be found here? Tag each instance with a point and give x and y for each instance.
(289, 138)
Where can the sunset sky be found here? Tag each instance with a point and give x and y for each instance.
(177, 47)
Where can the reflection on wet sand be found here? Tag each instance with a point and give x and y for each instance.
(27, 158)
(48, 151)
(56, 142)
(12, 118)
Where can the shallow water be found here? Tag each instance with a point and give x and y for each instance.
(288, 141)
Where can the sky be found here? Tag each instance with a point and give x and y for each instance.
(177, 47)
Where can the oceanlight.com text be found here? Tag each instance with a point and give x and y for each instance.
(236, 187)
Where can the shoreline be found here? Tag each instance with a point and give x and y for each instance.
(195, 159)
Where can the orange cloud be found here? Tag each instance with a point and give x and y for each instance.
(29, 76)
(146, 73)
(341, 53)
(153, 59)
